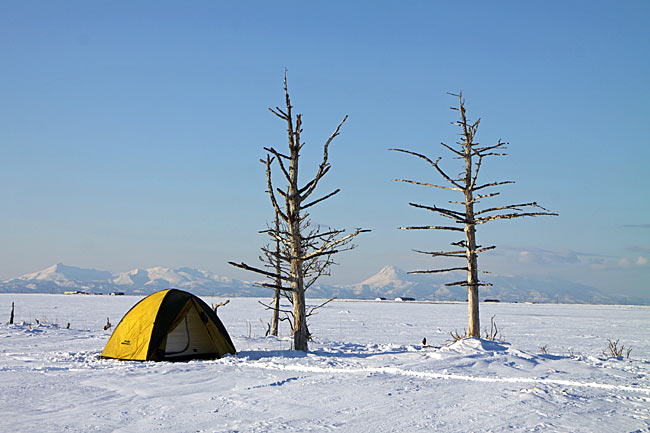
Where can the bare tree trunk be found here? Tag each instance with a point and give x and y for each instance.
(473, 318)
(278, 280)
(474, 323)
(293, 214)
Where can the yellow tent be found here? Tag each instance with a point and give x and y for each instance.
(170, 325)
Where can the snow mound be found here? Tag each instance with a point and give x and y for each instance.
(469, 346)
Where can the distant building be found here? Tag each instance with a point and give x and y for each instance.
(75, 292)
(117, 293)
(404, 299)
(380, 299)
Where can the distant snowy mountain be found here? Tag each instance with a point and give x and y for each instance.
(390, 282)
(195, 280)
(60, 278)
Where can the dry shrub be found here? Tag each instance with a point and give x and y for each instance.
(616, 351)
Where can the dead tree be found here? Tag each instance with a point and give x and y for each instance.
(467, 218)
(292, 213)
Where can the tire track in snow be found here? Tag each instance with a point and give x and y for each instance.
(431, 375)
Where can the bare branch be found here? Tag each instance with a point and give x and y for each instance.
(306, 187)
(276, 255)
(276, 153)
(321, 199)
(332, 244)
(275, 286)
(512, 206)
(321, 235)
(268, 307)
(481, 150)
(324, 166)
(453, 150)
(243, 265)
(443, 174)
(442, 253)
(319, 306)
(465, 283)
(280, 163)
(484, 220)
(454, 214)
(492, 184)
(270, 188)
(457, 283)
(278, 112)
(428, 184)
(419, 155)
(476, 170)
(481, 250)
(437, 271)
(479, 197)
(456, 229)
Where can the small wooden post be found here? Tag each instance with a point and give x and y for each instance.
(11, 316)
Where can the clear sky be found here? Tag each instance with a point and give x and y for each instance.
(130, 132)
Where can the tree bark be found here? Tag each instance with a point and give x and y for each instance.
(293, 216)
(473, 322)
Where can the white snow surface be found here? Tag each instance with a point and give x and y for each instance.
(366, 371)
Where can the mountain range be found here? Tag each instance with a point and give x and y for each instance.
(390, 282)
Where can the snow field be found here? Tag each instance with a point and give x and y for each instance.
(366, 371)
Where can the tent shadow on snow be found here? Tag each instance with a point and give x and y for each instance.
(169, 325)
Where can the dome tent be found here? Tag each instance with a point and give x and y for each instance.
(169, 325)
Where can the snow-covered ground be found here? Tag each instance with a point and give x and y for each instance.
(367, 371)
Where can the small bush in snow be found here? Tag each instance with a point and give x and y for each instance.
(493, 332)
(456, 336)
(616, 351)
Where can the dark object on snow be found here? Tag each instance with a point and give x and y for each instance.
(424, 341)
(491, 300)
(11, 316)
(108, 324)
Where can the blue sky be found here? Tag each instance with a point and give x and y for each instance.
(130, 132)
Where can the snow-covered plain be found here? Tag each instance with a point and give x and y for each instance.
(367, 371)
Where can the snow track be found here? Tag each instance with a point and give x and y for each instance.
(431, 375)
